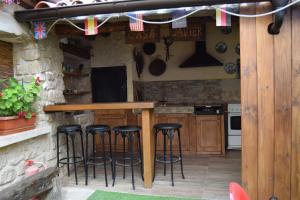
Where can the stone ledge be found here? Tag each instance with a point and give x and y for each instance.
(21, 136)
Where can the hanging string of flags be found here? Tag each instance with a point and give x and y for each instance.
(136, 21)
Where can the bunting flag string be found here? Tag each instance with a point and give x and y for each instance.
(182, 23)
(222, 18)
(39, 30)
(135, 23)
(91, 26)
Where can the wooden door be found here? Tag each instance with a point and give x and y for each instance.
(209, 134)
(270, 99)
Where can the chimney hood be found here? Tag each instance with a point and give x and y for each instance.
(201, 58)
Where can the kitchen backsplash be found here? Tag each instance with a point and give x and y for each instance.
(191, 91)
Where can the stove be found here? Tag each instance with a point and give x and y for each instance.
(208, 109)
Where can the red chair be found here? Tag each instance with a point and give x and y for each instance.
(236, 192)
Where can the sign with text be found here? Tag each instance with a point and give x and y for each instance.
(191, 33)
(150, 34)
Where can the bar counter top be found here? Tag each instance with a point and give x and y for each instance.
(99, 106)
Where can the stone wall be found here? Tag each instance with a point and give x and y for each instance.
(31, 59)
(199, 92)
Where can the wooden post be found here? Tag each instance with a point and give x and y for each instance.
(148, 146)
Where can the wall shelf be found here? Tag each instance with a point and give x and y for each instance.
(77, 93)
(75, 74)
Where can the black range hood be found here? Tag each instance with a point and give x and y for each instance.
(201, 58)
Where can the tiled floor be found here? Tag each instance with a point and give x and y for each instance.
(206, 177)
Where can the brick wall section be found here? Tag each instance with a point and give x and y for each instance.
(194, 91)
(6, 62)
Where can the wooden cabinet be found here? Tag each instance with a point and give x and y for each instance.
(210, 134)
(200, 134)
(182, 119)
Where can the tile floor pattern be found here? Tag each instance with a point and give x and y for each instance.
(206, 177)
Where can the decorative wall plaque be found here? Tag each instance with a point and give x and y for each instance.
(191, 33)
(150, 34)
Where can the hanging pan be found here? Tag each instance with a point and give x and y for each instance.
(157, 67)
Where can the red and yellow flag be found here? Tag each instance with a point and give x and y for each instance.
(222, 19)
(91, 26)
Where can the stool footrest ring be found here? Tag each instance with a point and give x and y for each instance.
(61, 161)
(161, 159)
(92, 161)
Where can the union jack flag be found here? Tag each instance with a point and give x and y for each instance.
(8, 2)
(136, 25)
(39, 30)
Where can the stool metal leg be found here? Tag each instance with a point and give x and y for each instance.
(94, 155)
(155, 140)
(82, 147)
(57, 147)
(180, 153)
(171, 155)
(74, 158)
(104, 158)
(68, 156)
(165, 149)
(110, 152)
(140, 155)
(86, 158)
(124, 155)
(130, 143)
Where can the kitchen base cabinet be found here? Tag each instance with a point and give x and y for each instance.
(210, 134)
(200, 134)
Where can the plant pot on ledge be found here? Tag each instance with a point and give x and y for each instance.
(15, 124)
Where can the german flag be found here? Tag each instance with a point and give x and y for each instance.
(222, 19)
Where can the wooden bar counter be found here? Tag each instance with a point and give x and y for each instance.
(147, 123)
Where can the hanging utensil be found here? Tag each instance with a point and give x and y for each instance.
(139, 61)
(168, 42)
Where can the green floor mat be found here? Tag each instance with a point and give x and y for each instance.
(102, 195)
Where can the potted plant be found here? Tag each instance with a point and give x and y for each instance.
(16, 106)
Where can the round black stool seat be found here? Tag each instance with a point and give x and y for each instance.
(127, 128)
(167, 126)
(69, 128)
(97, 128)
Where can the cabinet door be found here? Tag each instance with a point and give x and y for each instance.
(112, 120)
(182, 119)
(209, 134)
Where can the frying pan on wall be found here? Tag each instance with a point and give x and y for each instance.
(157, 67)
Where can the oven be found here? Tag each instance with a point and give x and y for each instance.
(234, 126)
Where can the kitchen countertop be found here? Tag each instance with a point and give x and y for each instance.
(174, 109)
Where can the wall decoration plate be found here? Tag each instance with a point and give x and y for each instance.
(221, 47)
(230, 68)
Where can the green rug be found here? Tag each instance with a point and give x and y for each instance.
(102, 195)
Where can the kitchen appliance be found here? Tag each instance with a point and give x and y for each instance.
(208, 109)
(234, 126)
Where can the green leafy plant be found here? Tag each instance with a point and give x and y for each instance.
(18, 99)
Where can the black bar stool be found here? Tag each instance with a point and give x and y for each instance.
(128, 132)
(102, 131)
(168, 129)
(70, 131)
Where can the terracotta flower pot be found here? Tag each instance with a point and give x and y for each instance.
(15, 124)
